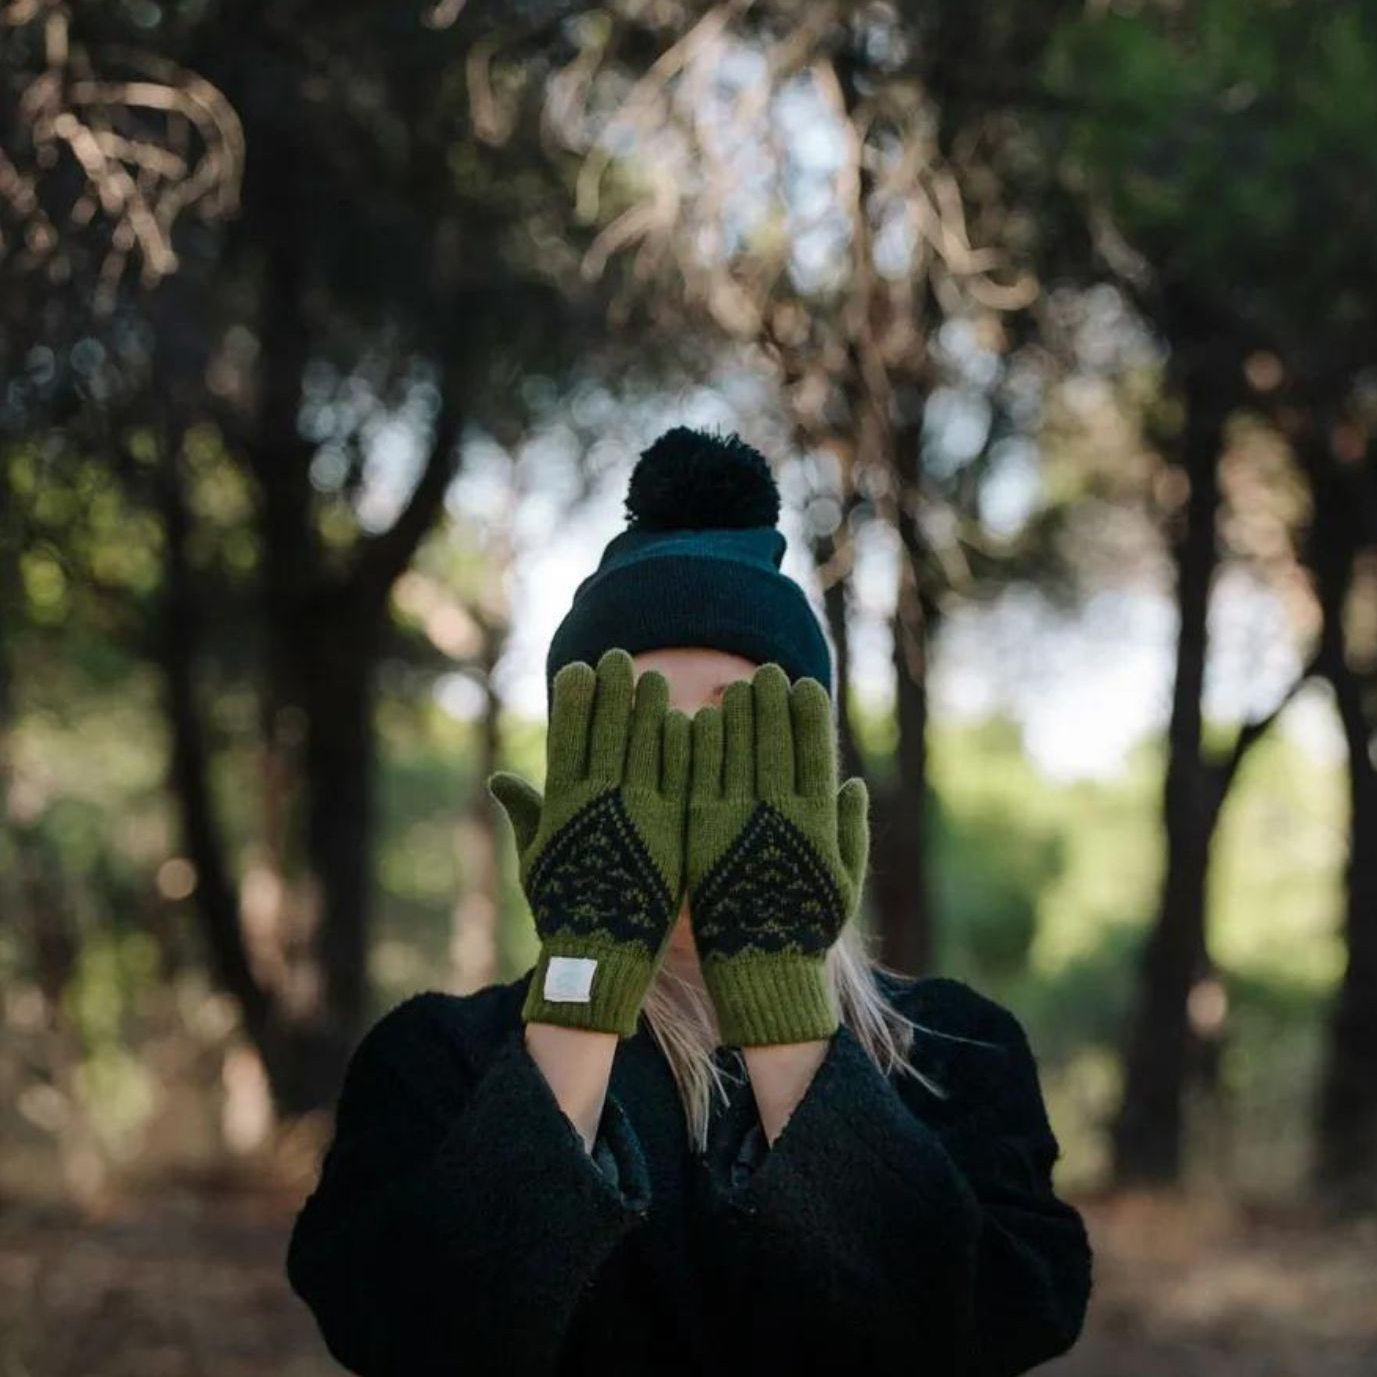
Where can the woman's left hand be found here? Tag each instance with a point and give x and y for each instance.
(775, 859)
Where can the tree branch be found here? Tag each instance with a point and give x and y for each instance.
(383, 557)
(1253, 732)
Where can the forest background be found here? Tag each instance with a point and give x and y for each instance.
(328, 337)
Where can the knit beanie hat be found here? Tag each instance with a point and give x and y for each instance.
(698, 565)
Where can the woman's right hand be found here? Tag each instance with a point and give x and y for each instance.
(602, 850)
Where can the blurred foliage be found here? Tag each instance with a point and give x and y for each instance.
(1045, 888)
(1224, 142)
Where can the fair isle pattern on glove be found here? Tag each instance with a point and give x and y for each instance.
(776, 857)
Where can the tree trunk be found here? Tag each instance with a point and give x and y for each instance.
(836, 607)
(475, 954)
(1345, 1165)
(216, 895)
(1148, 1130)
(335, 668)
(1346, 1159)
(301, 1059)
(900, 873)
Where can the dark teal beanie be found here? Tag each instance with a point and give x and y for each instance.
(698, 565)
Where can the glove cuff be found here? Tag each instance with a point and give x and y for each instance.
(768, 998)
(611, 1000)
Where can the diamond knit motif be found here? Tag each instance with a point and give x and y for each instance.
(770, 892)
(596, 876)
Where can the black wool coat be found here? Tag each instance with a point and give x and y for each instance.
(460, 1228)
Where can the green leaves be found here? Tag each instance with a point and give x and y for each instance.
(1233, 149)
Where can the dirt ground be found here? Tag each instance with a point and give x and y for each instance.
(189, 1283)
(1187, 1288)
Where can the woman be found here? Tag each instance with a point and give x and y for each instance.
(706, 1133)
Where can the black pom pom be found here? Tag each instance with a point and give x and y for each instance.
(690, 480)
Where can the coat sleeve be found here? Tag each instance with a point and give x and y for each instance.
(900, 1234)
(458, 1219)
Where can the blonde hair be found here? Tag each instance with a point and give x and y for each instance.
(683, 1025)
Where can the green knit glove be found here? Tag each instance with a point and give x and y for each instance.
(602, 850)
(776, 857)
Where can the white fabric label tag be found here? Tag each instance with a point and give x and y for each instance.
(568, 979)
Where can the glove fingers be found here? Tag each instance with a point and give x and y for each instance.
(707, 752)
(677, 750)
(612, 701)
(774, 738)
(853, 829)
(738, 740)
(647, 724)
(521, 801)
(815, 741)
(571, 708)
